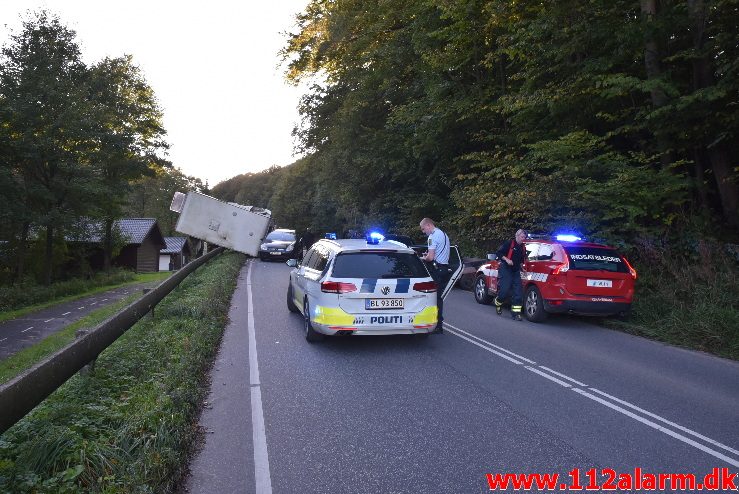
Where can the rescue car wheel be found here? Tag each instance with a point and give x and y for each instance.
(291, 299)
(481, 291)
(311, 335)
(534, 305)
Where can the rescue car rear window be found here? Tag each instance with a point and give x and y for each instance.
(378, 265)
(595, 259)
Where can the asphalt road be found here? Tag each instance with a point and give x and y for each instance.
(491, 395)
(17, 334)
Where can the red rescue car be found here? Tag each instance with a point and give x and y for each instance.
(564, 274)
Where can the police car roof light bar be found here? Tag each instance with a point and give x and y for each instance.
(567, 237)
(374, 238)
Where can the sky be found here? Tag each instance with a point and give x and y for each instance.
(213, 66)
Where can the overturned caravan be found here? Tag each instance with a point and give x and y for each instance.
(234, 226)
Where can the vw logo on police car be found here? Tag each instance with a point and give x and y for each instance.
(385, 290)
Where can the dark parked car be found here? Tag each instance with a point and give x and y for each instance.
(278, 244)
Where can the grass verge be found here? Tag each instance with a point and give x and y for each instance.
(115, 282)
(130, 426)
(688, 302)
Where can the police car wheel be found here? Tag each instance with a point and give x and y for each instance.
(290, 299)
(311, 335)
(534, 305)
(481, 291)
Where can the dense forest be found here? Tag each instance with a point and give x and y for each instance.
(79, 144)
(614, 118)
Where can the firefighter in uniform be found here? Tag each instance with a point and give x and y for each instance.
(511, 254)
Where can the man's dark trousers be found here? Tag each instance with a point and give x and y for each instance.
(441, 275)
(510, 280)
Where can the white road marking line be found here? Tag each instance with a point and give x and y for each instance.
(585, 393)
(544, 374)
(673, 424)
(654, 425)
(48, 320)
(26, 329)
(563, 376)
(3, 340)
(259, 435)
(491, 344)
(499, 354)
(93, 303)
(66, 313)
(104, 300)
(80, 308)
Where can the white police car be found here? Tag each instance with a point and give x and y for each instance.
(365, 287)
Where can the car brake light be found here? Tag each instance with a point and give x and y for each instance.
(562, 268)
(337, 287)
(425, 286)
(631, 270)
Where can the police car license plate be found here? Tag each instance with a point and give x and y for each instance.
(275, 252)
(601, 283)
(383, 303)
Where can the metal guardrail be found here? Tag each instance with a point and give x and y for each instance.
(24, 392)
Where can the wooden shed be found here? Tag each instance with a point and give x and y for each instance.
(145, 240)
(175, 255)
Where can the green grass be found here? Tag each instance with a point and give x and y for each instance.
(130, 280)
(688, 302)
(24, 359)
(131, 425)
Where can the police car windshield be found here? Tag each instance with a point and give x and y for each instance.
(378, 265)
(595, 259)
(280, 237)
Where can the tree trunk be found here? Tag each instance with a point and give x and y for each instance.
(49, 258)
(700, 178)
(703, 77)
(108, 245)
(652, 57)
(727, 189)
(21, 260)
(652, 54)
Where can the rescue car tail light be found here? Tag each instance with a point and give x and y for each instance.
(337, 287)
(562, 268)
(425, 286)
(632, 271)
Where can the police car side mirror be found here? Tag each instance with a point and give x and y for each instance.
(293, 263)
(492, 257)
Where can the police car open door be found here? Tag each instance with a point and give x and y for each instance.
(456, 267)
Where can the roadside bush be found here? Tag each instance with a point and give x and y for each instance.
(30, 293)
(130, 426)
(687, 296)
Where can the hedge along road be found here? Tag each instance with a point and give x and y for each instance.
(22, 332)
(490, 395)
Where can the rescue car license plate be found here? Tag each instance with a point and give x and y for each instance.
(383, 303)
(601, 283)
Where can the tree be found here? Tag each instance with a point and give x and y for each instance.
(129, 136)
(43, 85)
(151, 196)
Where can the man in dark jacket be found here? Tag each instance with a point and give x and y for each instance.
(304, 244)
(511, 255)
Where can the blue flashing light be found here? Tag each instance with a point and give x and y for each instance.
(568, 238)
(375, 238)
(331, 236)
